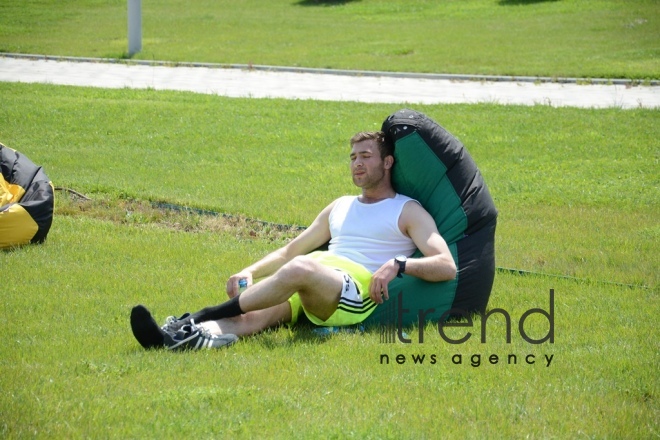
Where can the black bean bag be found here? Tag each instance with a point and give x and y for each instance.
(433, 167)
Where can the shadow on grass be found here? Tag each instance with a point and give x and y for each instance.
(522, 2)
(271, 340)
(324, 2)
(303, 333)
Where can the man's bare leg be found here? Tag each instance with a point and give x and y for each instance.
(319, 288)
(251, 322)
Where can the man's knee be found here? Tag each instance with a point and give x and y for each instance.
(298, 269)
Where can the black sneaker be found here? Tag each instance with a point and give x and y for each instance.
(173, 324)
(145, 329)
(194, 337)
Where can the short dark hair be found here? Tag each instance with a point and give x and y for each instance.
(385, 147)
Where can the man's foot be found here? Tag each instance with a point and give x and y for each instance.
(145, 329)
(195, 337)
(174, 324)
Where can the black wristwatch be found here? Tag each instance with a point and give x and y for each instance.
(401, 261)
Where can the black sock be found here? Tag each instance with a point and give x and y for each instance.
(227, 309)
(145, 329)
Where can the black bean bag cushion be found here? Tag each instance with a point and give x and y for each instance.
(433, 167)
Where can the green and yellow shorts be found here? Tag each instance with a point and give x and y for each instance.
(355, 305)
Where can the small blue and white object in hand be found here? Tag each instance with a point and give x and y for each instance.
(242, 285)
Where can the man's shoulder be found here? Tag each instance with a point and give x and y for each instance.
(411, 206)
(405, 199)
(343, 200)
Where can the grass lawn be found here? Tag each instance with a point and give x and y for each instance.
(578, 196)
(577, 190)
(71, 369)
(567, 38)
(556, 174)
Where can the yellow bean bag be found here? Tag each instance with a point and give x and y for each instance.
(26, 200)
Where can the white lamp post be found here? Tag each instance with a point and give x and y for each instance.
(134, 26)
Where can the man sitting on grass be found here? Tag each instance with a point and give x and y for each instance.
(369, 237)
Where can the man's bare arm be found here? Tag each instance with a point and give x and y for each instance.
(316, 235)
(437, 263)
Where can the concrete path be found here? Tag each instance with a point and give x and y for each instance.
(323, 85)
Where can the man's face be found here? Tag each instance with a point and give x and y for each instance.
(367, 168)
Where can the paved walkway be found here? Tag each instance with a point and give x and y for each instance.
(323, 85)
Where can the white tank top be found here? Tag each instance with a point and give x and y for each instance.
(368, 233)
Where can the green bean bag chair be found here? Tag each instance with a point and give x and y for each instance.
(26, 200)
(433, 167)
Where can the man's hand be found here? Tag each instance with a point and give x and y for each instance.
(380, 279)
(232, 283)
